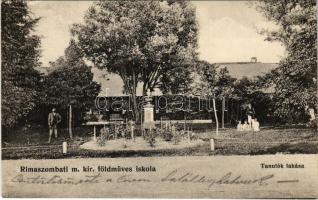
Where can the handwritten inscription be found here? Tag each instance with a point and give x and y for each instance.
(57, 179)
(227, 179)
(175, 176)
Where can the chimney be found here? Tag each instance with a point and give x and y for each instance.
(253, 59)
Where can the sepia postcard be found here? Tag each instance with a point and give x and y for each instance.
(159, 99)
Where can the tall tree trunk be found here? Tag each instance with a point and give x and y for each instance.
(216, 117)
(223, 110)
(144, 90)
(70, 123)
(136, 114)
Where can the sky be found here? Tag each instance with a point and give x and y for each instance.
(228, 31)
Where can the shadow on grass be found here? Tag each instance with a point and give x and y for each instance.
(299, 148)
(229, 142)
(56, 153)
(202, 150)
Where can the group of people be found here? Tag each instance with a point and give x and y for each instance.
(252, 125)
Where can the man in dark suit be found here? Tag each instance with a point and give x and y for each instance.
(53, 120)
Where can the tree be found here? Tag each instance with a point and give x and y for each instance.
(205, 78)
(295, 79)
(142, 41)
(177, 80)
(225, 84)
(71, 82)
(214, 82)
(19, 55)
(243, 88)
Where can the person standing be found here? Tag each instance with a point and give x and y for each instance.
(53, 120)
(250, 115)
(256, 125)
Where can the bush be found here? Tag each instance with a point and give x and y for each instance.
(174, 132)
(166, 135)
(150, 136)
(177, 136)
(104, 136)
(193, 136)
(90, 117)
(166, 132)
(313, 123)
(120, 131)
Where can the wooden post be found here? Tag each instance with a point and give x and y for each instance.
(132, 132)
(223, 109)
(231, 113)
(184, 124)
(212, 147)
(174, 134)
(216, 117)
(64, 147)
(95, 133)
(70, 123)
(189, 140)
(161, 123)
(141, 125)
(116, 131)
(67, 120)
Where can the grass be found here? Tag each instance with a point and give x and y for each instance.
(32, 144)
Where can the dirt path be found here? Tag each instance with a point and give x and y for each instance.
(171, 178)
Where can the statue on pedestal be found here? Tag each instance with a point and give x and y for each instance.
(148, 112)
(148, 98)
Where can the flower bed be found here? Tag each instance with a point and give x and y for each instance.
(139, 144)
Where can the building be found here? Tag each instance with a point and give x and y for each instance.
(112, 84)
(248, 69)
(237, 70)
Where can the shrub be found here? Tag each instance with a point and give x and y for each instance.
(90, 117)
(177, 136)
(313, 123)
(120, 131)
(166, 135)
(104, 136)
(193, 136)
(150, 136)
(125, 132)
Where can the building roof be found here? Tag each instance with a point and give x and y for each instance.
(247, 69)
(115, 84)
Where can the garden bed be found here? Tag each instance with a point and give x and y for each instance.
(228, 142)
(139, 144)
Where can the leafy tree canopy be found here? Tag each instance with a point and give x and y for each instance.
(295, 79)
(142, 41)
(19, 55)
(142, 38)
(71, 81)
(213, 80)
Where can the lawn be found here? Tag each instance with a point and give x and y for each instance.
(33, 144)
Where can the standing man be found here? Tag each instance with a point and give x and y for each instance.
(53, 120)
(250, 114)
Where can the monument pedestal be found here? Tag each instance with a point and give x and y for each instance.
(149, 122)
